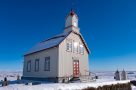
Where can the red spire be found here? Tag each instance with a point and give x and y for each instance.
(72, 12)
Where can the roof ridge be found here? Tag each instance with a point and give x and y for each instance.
(55, 36)
(52, 38)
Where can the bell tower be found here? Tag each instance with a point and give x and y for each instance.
(71, 23)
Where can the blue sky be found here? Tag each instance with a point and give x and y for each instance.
(108, 26)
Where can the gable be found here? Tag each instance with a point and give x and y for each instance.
(55, 41)
(77, 37)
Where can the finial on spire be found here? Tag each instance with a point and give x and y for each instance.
(72, 12)
(72, 8)
(117, 71)
(72, 4)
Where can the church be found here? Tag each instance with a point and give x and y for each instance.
(60, 57)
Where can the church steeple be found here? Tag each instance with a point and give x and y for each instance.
(72, 22)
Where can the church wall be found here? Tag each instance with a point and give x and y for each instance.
(66, 59)
(53, 53)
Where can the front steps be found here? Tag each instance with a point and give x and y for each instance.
(83, 78)
(86, 78)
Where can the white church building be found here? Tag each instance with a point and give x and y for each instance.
(60, 57)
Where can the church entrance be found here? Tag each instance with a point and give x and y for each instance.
(76, 68)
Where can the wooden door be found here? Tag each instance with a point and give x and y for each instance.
(76, 68)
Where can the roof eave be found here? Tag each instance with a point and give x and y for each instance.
(41, 50)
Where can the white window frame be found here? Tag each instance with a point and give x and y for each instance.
(69, 45)
(81, 48)
(37, 65)
(29, 66)
(47, 64)
(75, 47)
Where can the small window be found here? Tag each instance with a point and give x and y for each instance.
(69, 45)
(81, 49)
(75, 45)
(28, 66)
(47, 64)
(37, 65)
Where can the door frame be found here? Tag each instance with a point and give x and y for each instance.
(76, 68)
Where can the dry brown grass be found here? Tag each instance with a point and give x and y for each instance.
(112, 87)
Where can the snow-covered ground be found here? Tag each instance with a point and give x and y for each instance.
(10, 75)
(105, 78)
(133, 88)
(59, 86)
